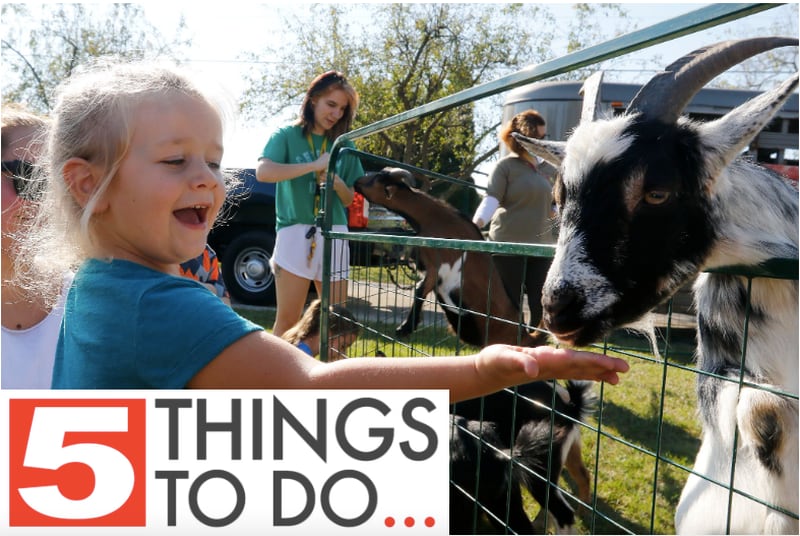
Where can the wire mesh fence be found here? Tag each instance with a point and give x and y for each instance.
(616, 464)
(637, 445)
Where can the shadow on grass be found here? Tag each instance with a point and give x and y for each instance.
(682, 344)
(676, 442)
(602, 519)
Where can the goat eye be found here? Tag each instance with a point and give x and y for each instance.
(656, 197)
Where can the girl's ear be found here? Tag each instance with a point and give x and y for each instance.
(82, 181)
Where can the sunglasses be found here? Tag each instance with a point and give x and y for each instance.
(21, 173)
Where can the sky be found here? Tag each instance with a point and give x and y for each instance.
(221, 32)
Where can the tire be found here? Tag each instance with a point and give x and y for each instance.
(246, 270)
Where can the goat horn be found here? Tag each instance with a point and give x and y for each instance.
(591, 97)
(666, 94)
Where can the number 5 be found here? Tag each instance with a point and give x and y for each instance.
(113, 472)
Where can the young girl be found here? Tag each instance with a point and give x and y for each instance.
(342, 331)
(296, 157)
(135, 153)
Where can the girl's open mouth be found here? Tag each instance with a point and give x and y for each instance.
(196, 215)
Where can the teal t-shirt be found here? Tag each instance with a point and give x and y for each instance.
(294, 198)
(126, 326)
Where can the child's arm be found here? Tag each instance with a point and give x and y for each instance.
(260, 360)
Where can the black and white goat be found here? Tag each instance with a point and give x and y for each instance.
(650, 199)
(488, 432)
(467, 286)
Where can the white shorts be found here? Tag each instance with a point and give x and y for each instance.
(292, 249)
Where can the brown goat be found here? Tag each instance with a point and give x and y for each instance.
(461, 280)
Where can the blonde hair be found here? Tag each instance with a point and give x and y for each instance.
(340, 322)
(15, 115)
(93, 119)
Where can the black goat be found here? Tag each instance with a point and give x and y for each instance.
(473, 445)
(488, 433)
(461, 280)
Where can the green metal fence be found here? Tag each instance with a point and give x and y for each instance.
(640, 444)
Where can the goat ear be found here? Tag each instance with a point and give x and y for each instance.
(389, 190)
(414, 181)
(732, 132)
(552, 151)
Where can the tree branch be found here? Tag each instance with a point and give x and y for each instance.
(39, 83)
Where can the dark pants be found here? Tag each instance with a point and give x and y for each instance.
(524, 276)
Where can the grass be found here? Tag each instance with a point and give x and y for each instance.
(643, 427)
(645, 424)
(263, 316)
(392, 271)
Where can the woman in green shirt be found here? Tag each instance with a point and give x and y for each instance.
(296, 158)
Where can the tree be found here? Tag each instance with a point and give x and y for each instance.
(41, 49)
(765, 71)
(406, 56)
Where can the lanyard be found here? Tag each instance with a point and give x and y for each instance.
(312, 231)
(314, 153)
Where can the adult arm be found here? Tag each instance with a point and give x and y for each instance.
(485, 211)
(269, 171)
(342, 190)
(495, 193)
(351, 170)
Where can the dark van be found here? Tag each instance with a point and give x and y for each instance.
(244, 239)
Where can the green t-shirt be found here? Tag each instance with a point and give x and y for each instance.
(294, 201)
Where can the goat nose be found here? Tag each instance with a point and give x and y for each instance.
(562, 305)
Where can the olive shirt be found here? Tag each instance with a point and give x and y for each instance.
(526, 203)
(294, 198)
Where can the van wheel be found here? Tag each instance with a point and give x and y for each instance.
(246, 270)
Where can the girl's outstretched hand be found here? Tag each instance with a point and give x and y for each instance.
(504, 363)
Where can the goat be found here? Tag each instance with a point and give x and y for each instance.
(488, 431)
(474, 444)
(647, 201)
(460, 279)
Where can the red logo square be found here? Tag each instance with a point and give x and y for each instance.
(77, 462)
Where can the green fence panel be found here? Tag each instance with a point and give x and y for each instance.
(640, 443)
